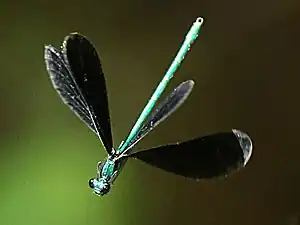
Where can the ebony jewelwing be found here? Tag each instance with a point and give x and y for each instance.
(76, 73)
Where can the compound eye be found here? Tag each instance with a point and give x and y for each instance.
(106, 189)
(91, 183)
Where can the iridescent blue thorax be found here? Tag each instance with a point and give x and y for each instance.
(107, 172)
(108, 168)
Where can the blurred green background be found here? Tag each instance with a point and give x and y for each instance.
(246, 67)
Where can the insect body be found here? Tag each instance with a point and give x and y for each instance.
(76, 73)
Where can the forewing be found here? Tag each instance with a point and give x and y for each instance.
(206, 157)
(84, 63)
(162, 111)
(77, 76)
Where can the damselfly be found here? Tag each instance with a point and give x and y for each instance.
(76, 73)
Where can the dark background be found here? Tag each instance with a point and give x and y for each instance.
(246, 67)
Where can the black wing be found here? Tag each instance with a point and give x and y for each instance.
(163, 111)
(76, 74)
(205, 157)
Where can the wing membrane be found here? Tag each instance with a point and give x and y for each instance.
(162, 111)
(77, 76)
(65, 86)
(206, 157)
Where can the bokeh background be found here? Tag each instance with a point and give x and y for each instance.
(246, 67)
